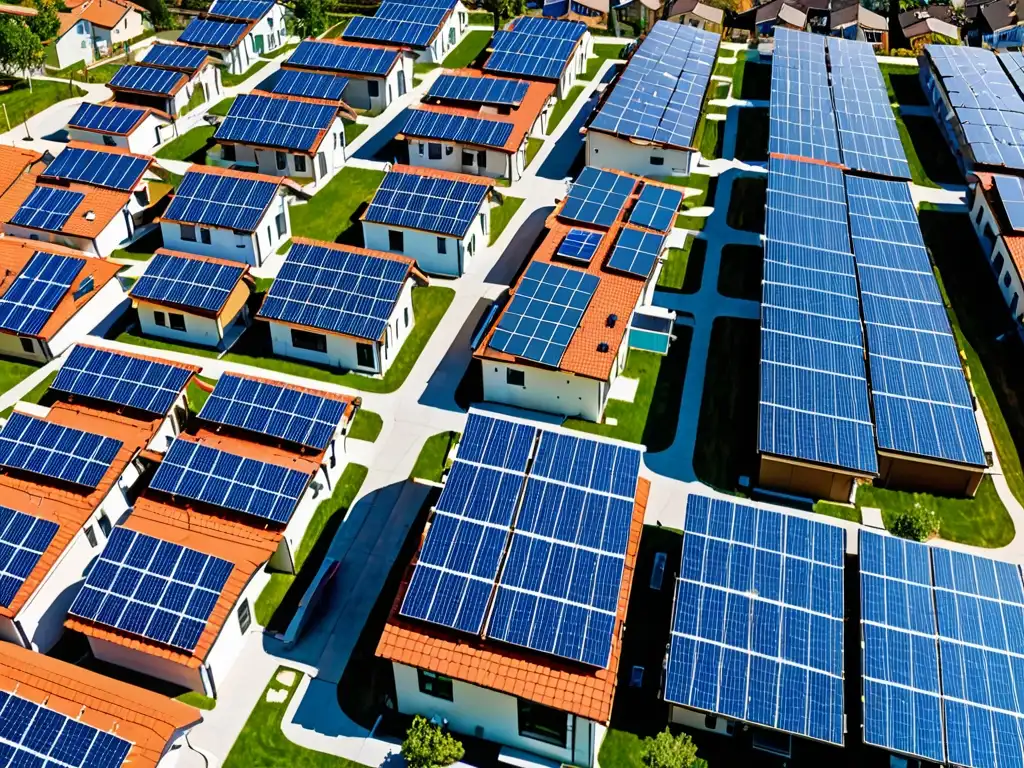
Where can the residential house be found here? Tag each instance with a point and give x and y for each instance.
(694, 13)
(140, 130)
(995, 206)
(171, 79)
(429, 28)
(566, 44)
(229, 42)
(928, 24)
(94, 29)
(265, 17)
(853, 21)
(809, 15)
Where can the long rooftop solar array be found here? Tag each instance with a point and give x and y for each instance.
(341, 57)
(220, 200)
(413, 22)
(187, 281)
(427, 203)
(29, 301)
(276, 122)
(106, 118)
(535, 47)
(478, 131)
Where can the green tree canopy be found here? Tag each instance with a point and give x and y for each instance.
(310, 19)
(427, 746)
(20, 48)
(46, 23)
(162, 18)
(668, 751)
(503, 10)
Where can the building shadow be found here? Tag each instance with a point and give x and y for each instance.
(446, 379)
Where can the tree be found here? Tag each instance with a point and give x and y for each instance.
(503, 10)
(427, 746)
(668, 751)
(162, 18)
(310, 19)
(917, 522)
(46, 23)
(20, 49)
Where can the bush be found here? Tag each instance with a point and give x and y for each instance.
(917, 522)
(668, 751)
(427, 746)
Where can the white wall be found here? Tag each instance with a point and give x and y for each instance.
(545, 390)
(118, 231)
(265, 159)
(249, 248)
(448, 37)
(104, 308)
(126, 29)
(146, 664)
(604, 151)
(198, 330)
(227, 646)
(1004, 271)
(451, 159)
(76, 45)
(143, 140)
(422, 246)
(272, 28)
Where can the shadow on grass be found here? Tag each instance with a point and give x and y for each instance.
(757, 81)
(663, 416)
(739, 276)
(934, 153)
(752, 134)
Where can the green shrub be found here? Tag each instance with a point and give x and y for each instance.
(917, 522)
(427, 746)
(668, 751)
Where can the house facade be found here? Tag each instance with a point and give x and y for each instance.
(1001, 242)
(562, 66)
(95, 29)
(136, 129)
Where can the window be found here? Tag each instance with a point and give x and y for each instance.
(373, 88)
(160, 319)
(442, 245)
(300, 163)
(1006, 279)
(280, 222)
(314, 342)
(90, 534)
(108, 141)
(396, 241)
(434, 151)
(104, 522)
(467, 157)
(657, 160)
(438, 686)
(448, 149)
(405, 314)
(542, 723)
(282, 161)
(421, 148)
(188, 232)
(27, 346)
(472, 245)
(204, 235)
(515, 378)
(244, 616)
(177, 321)
(364, 355)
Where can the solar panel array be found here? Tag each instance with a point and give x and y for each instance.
(274, 410)
(1013, 63)
(47, 208)
(656, 207)
(336, 290)
(37, 290)
(217, 34)
(106, 118)
(597, 197)
(32, 734)
(56, 451)
(636, 252)
(1011, 194)
(183, 57)
(311, 85)
(757, 630)
(659, 94)
(152, 588)
(216, 200)
(559, 547)
(338, 57)
(135, 77)
(427, 203)
(802, 122)
(479, 90)
(579, 245)
(122, 379)
(187, 282)
(867, 126)
(462, 129)
(99, 168)
(276, 122)
(248, 10)
(529, 55)
(546, 309)
(23, 540)
(923, 405)
(400, 23)
(987, 105)
(258, 488)
(814, 398)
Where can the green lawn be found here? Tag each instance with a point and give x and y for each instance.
(747, 202)
(752, 134)
(328, 516)
(533, 145)
(352, 131)
(433, 456)
(501, 215)
(104, 73)
(740, 274)
(190, 147)
(468, 50)
(197, 700)
(621, 749)
(562, 107)
(366, 426)
(931, 161)
(684, 267)
(602, 52)
(903, 85)
(35, 394)
(840, 511)
(21, 104)
(142, 249)
(709, 137)
(336, 207)
(335, 31)
(197, 98)
(228, 80)
(222, 107)
(150, 343)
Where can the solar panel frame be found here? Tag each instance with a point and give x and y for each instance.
(339, 57)
(142, 79)
(427, 203)
(23, 540)
(1011, 195)
(194, 283)
(516, 53)
(28, 303)
(52, 450)
(106, 118)
(247, 10)
(398, 23)
(270, 121)
(636, 252)
(178, 57)
(218, 200)
(98, 168)
(47, 208)
(579, 245)
(478, 90)
(656, 207)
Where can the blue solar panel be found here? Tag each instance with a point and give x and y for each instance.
(656, 207)
(398, 23)
(198, 472)
(55, 451)
(152, 588)
(921, 408)
(122, 379)
(545, 311)
(1011, 195)
(636, 252)
(588, 464)
(187, 282)
(340, 57)
(105, 118)
(33, 735)
(757, 630)
(275, 410)
(479, 131)
(549, 28)
(47, 208)
(427, 203)
(249, 10)
(135, 77)
(99, 168)
(597, 197)
(479, 90)
(312, 85)
(216, 200)
(579, 245)
(340, 290)
(276, 122)
(183, 57)
(516, 53)
(37, 290)
(217, 34)
(23, 540)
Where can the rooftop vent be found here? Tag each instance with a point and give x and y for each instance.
(602, 347)
(90, 215)
(612, 320)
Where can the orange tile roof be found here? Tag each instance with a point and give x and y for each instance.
(1015, 247)
(99, 13)
(15, 253)
(13, 163)
(508, 669)
(258, 450)
(146, 719)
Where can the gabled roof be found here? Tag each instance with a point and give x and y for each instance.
(345, 57)
(285, 122)
(99, 13)
(110, 118)
(855, 13)
(707, 12)
(192, 271)
(421, 204)
(14, 163)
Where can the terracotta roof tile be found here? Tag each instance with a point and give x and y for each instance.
(1015, 247)
(100, 13)
(13, 163)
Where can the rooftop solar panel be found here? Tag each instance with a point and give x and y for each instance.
(636, 252)
(55, 451)
(1011, 195)
(427, 203)
(216, 34)
(258, 488)
(478, 131)
(656, 207)
(249, 10)
(99, 168)
(122, 379)
(546, 309)
(187, 282)
(216, 200)
(579, 245)
(23, 540)
(597, 197)
(552, 29)
(47, 208)
(312, 85)
(757, 630)
(105, 118)
(28, 303)
(339, 57)
(276, 122)
(398, 23)
(529, 55)
(287, 413)
(336, 290)
(479, 90)
(135, 77)
(183, 57)
(152, 588)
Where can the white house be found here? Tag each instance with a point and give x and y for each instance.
(353, 325)
(1000, 234)
(430, 29)
(172, 92)
(193, 299)
(538, 48)
(229, 42)
(234, 215)
(94, 29)
(265, 18)
(139, 130)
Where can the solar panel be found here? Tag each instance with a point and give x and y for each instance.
(152, 588)
(1011, 194)
(106, 118)
(398, 23)
(422, 123)
(516, 53)
(336, 289)
(757, 629)
(923, 404)
(134, 77)
(312, 85)
(32, 734)
(47, 208)
(340, 57)
(658, 96)
(546, 309)
(636, 252)
(479, 90)
(579, 245)
(99, 168)
(276, 122)
(37, 290)
(249, 10)
(187, 282)
(216, 200)
(552, 29)
(597, 197)
(55, 451)
(656, 207)
(287, 413)
(198, 472)
(23, 540)
(122, 379)
(217, 34)
(427, 203)
(182, 57)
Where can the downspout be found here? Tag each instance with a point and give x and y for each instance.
(458, 257)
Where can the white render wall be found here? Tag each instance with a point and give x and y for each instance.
(544, 390)
(994, 246)
(198, 330)
(272, 28)
(118, 231)
(448, 37)
(98, 314)
(451, 159)
(76, 45)
(249, 248)
(422, 246)
(150, 134)
(605, 151)
(265, 159)
(227, 646)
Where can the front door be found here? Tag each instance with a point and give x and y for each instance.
(481, 159)
(257, 43)
(401, 83)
